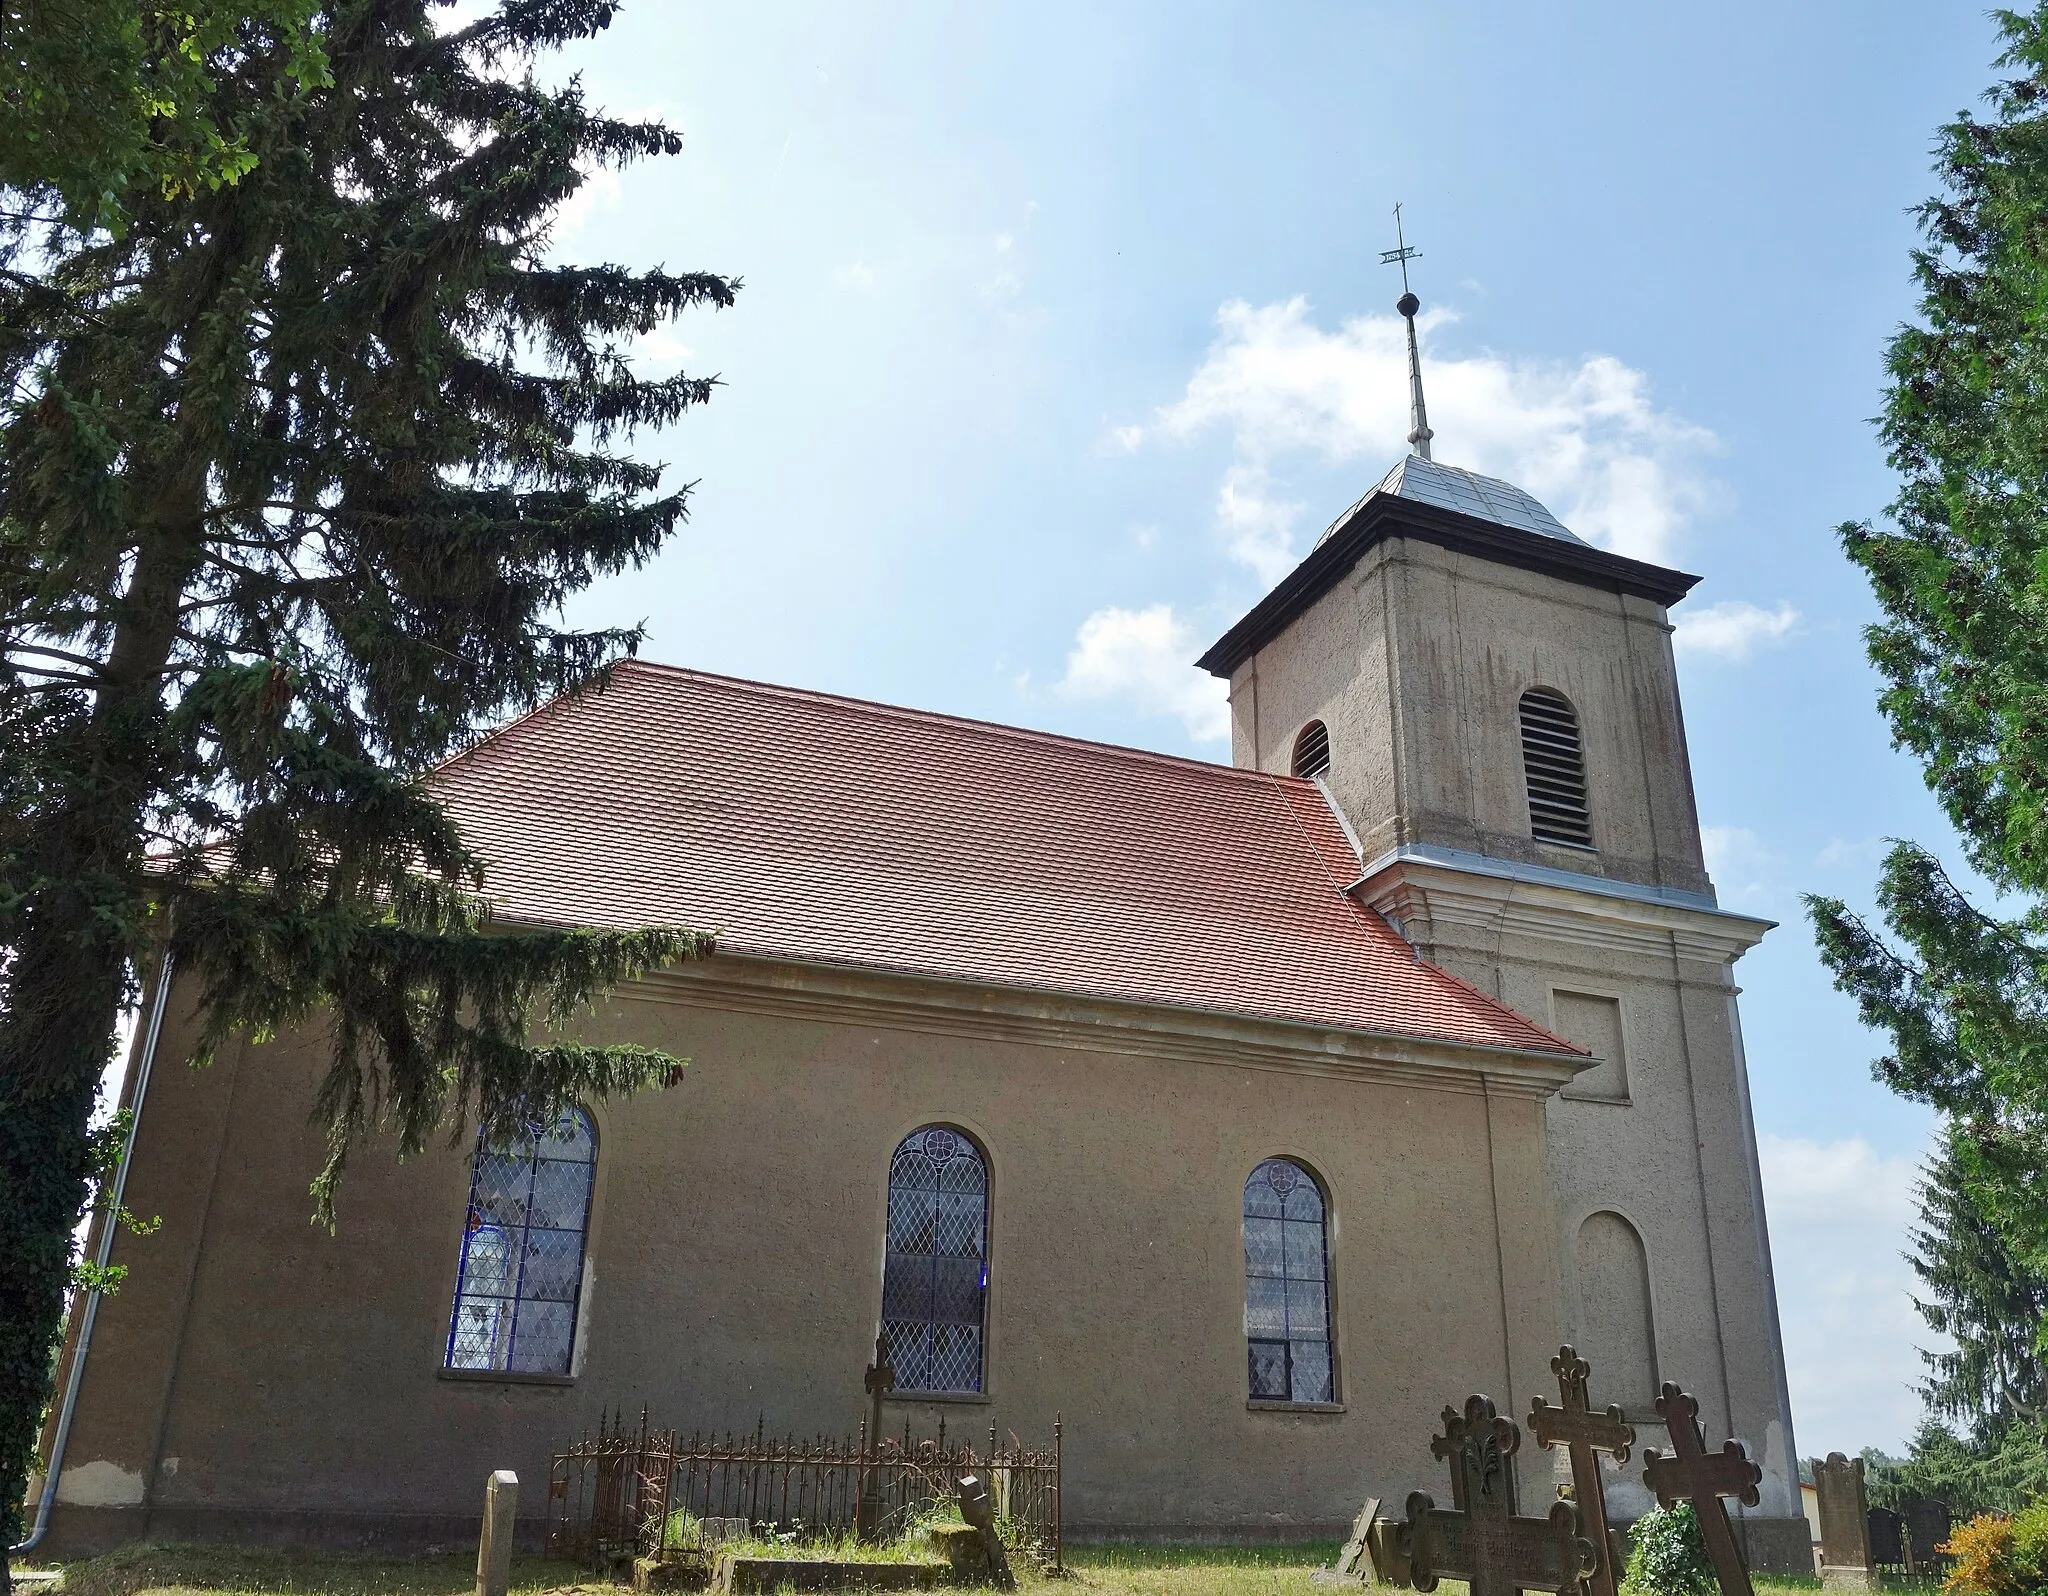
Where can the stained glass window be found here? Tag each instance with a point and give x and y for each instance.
(935, 1276)
(1286, 1285)
(522, 1251)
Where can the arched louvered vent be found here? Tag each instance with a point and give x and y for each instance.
(1312, 749)
(1556, 767)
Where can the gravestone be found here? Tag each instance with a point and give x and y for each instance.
(1690, 1473)
(1355, 1561)
(1928, 1523)
(1483, 1540)
(1845, 1562)
(1584, 1434)
(979, 1511)
(494, 1546)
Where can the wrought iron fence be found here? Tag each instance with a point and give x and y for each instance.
(617, 1493)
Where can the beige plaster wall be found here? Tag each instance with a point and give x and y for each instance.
(255, 1374)
(1417, 662)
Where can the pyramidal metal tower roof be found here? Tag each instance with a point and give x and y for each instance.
(1453, 488)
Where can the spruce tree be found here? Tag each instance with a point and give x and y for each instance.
(1984, 1301)
(296, 475)
(1960, 569)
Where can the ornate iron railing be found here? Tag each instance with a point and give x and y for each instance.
(617, 1493)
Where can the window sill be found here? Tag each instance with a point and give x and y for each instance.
(1268, 1405)
(505, 1377)
(968, 1397)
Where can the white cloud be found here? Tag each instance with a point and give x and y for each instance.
(1730, 629)
(1738, 861)
(600, 192)
(1839, 1212)
(1147, 656)
(1585, 438)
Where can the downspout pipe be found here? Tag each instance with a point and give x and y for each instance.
(76, 1378)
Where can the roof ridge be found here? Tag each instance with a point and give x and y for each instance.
(1031, 734)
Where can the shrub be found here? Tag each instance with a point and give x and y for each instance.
(1668, 1556)
(1983, 1564)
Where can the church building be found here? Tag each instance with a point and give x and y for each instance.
(1242, 1115)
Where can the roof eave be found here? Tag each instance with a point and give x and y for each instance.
(1383, 515)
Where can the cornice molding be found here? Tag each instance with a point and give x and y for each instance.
(1384, 515)
(848, 995)
(1416, 891)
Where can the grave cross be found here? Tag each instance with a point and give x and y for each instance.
(1692, 1473)
(1583, 1433)
(878, 1381)
(1484, 1541)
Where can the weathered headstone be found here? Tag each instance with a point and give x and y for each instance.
(494, 1546)
(1483, 1540)
(1354, 1563)
(979, 1511)
(1691, 1473)
(1928, 1523)
(1845, 1562)
(1584, 1434)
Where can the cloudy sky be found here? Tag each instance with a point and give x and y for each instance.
(1064, 334)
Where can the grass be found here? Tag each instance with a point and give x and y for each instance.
(1112, 1570)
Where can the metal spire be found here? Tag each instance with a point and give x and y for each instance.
(1418, 435)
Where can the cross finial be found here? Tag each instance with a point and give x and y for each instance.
(1419, 433)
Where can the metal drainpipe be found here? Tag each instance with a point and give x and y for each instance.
(92, 1301)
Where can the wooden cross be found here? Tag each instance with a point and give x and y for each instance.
(1487, 1543)
(1692, 1473)
(879, 1380)
(1583, 1433)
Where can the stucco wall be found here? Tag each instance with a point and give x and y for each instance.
(255, 1374)
(1417, 661)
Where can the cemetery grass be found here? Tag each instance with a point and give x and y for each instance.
(1111, 1570)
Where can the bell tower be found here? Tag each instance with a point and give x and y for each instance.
(1490, 706)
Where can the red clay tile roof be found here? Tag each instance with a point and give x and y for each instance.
(803, 826)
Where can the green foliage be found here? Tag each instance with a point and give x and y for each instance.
(1667, 1555)
(1982, 1299)
(1961, 573)
(2000, 1474)
(98, 96)
(297, 474)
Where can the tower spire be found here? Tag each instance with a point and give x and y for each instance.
(1418, 434)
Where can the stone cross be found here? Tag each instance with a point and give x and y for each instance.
(979, 1511)
(1355, 1561)
(494, 1546)
(1484, 1541)
(1691, 1473)
(1844, 1524)
(1584, 1433)
(878, 1382)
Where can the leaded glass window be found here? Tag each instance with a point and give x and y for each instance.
(935, 1277)
(522, 1251)
(1286, 1285)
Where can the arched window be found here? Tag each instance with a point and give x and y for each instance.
(1287, 1285)
(935, 1274)
(1555, 764)
(1311, 749)
(522, 1251)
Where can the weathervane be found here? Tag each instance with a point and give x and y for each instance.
(1419, 435)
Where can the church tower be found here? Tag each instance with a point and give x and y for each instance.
(1490, 705)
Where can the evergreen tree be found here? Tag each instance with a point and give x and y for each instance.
(1961, 572)
(1985, 1301)
(295, 477)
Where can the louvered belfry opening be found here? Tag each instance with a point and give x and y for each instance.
(1312, 749)
(1556, 767)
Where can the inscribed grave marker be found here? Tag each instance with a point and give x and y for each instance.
(1584, 1434)
(1691, 1473)
(1845, 1562)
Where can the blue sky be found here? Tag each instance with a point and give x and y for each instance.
(1064, 332)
